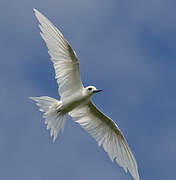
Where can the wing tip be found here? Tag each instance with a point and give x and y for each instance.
(35, 11)
(135, 175)
(38, 14)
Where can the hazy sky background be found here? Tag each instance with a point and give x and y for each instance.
(127, 48)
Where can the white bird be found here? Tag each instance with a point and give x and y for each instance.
(76, 101)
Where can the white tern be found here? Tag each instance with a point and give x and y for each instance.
(76, 101)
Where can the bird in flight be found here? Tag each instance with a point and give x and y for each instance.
(75, 100)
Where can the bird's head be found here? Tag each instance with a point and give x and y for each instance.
(91, 90)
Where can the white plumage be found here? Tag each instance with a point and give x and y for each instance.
(76, 101)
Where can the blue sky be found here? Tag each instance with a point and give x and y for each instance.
(126, 48)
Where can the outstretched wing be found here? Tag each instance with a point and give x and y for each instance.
(107, 134)
(64, 58)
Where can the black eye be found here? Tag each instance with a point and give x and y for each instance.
(89, 89)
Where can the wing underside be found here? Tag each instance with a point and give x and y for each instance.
(107, 134)
(62, 55)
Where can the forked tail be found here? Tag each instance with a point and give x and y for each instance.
(54, 119)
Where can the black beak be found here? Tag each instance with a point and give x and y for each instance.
(97, 90)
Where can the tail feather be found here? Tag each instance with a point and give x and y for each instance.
(54, 119)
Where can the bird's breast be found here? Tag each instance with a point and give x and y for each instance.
(73, 101)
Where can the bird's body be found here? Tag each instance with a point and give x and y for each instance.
(76, 101)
